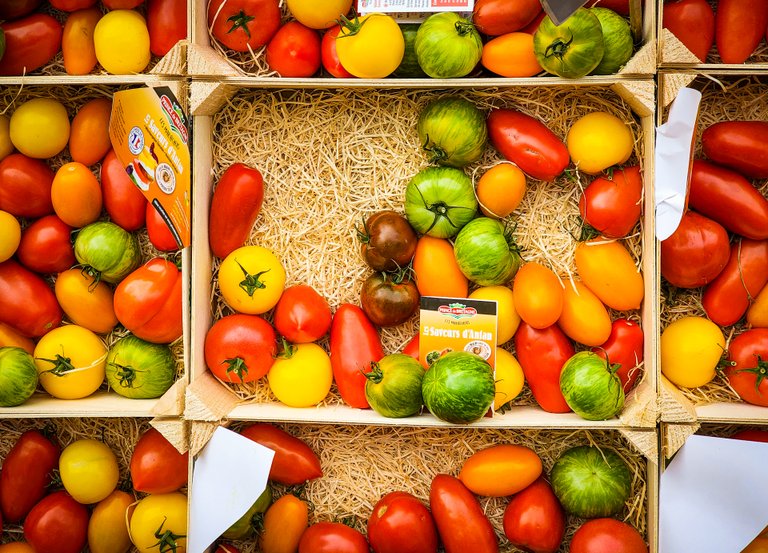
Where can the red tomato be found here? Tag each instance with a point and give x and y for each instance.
(748, 355)
(148, 301)
(533, 26)
(738, 145)
(243, 24)
(27, 472)
(156, 466)
(752, 435)
(14, 9)
(400, 523)
(167, 24)
(332, 537)
(528, 143)
(624, 347)
(72, 5)
(695, 253)
(461, 523)
(499, 17)
(122, 4)
(534, 519)
(612, 205)
(607, 535)
(729, 199)
(693, 23)
(739, 28)
(240, 348)
(412, 348)
(302, 315)
(27, 302)
(57, 524)
(294, 462)
(541, 354)
(294, 51)
(46, 246)
(123, 200)
(158, 231)
(329, 57)
(355, 343)
(726, 299)
(25, 186)
(30, 43)
(235, 205)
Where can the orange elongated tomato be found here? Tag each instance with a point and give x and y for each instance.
(10, 337)
(501, 470)
(89, 133)
(437, 273)
(77, 41)
(76, 195)
(607, 268)
(511, 55)
(284, 523)
(538, 295)
(86, 302)
(584, 318)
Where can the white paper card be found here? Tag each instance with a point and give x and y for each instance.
(414, 6)
(674, 142)
(713, 497)
(230, 474)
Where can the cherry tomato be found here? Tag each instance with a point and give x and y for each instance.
(436, 270)
(739, 28)
(608, 270)
(500, 470)
(243, 24)
(167, 24)
(57, 524)
(123, 200)
(30, 43)
(332, 537)
(538, 295)
(400, 523)
(736, 144)
(612, 205)
(294, 462)
(584, 318)
(534, 519)
(235, 206)
(89, 133)
(14, 9)
(46, 246)
(748, 357)
(499, 17)
(25, 186)
(460, 520)
(624, 347)
(607, 535)
(77, 46)
(329, 57)
(284, 523)
(294, 51)
(542, 353)
(693, 23)
(240, 348)
(76, 195)
(27, 303)
(156, 465)
(695, 253)
(389, 300)
(158, 231)
(302, 315)
(87, 302)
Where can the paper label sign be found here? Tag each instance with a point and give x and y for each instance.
(560, 10)
(415, 6)
(150, 136)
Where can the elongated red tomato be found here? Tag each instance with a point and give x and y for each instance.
(499, 17)
(612, 205)
(158, 231)
(460, 520)
(542, 354)
(25, 186)
(500, 470)
(748, 355)
(693, 23)
(294, 461)
(739, 28)
(167, 24)
(738, 145)
(30, 43)
(534, 519)
(624, 347)
(400, 523)
(57, 524)
(27, 303)
(235, 205)
(695, 253)
(240, 348)
(123, 200)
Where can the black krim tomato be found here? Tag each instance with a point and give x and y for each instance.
(389, 299)
(388, 241)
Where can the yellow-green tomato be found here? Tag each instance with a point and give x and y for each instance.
(691, 348)
(39, 128)
(6, 146)
(107, 532)
(371, 47)
(599, 140)
(121, 39)
(303, 377)
(509, 378)
(160, 518)
(507, 317)
(10, 235)
(88, 470)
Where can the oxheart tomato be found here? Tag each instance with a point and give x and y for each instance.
(13, 9)
(25, 186)
(284, 523)
(302, 315)
(46, 246)
(240, 348)
(294, 462)
(235, 205)
(736, 144)
(748, 357)
(332, 537)
(328, 56)
(156, 465)
(542, 353)
(499, 17)
(624, 347)
(123, 200)
(400, 523)
(388, 241)
(534, 519)
(57, 524)
(612, 205)
(148, 301)
(294, 51)
(693, 23)
(607, 535)
(500, 470)
(158, 231)
(27, 303)
(389, 300)
(167, 24)
(30, 43)
(241, 25)
(460, 520)
(739, 27)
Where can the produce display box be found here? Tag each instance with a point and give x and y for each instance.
(329, 157)
(105, 403)
(725, 96)
(209, 59)
(406, 459)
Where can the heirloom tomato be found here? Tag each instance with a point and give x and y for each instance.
(10, 337)
(158, 231)
(624, 348)
(167, 24)
(18, 376)
(436, 270)
(607, 535)
(748, 366)
(584, 318)
(25, 186)
(461, 522)
(70, 361)
(139, 369)
(160, 521)
(318, 15)
(695, 253)
(121, 40)
(500, 190)
(86, 301)
(30, 43)
(739, 27)
(371, 46)
(88, 470)
(538, 295)
(294, 51)
(107, 250)
(737, 144)
(447, 46)
(691, 349)
(591, 387)
(76, 195)
(693, 23)
(389, 300)
(509, 378)
(235, 205)
(284, 523)
(609, 271)
(508, 318)
(302, 315)
(486, 252)
(123, 200)
(500, 470)
(612, 205)
(107, 531)
(757, 313)
(573, 49)
(394, 386)
(400, 523)
(332, 537)
(452, 131)
(511, 55)
(77, 46)
(156, 466)
(388, 241)
(499, 17)
(329, 57)
(240, 348)
(598, 141)
(294, 462)
(251, 280)
(542, 354)
(534, 519)
(46, 246)
(40, 128)
(244, 25)
(26, 301)
(301, 376)
(439, 201)
(57, 524)
(89, 134)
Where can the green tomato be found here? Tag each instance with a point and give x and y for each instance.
(573, 49)
(393, 388)
(453, 131)
(108, 249)
(486, 253)
(139, 369)
(448, 46)
(617, 40)
(439, 201)
(18, 376)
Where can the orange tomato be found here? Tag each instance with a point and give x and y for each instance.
(501, 470)
(284, 523)
(76, 195)
(10, 337)
(77, 41)
(501, 189)
(511, 55)
(86, 303)
(16, 547)
(584, 318)
(607, 268)
(437, 273)
(538, 295)
(757, 314)
(107, 531)
(89, 137)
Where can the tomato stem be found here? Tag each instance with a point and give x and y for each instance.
(374, 375)
(350, 27)
(87, 270)
(251, 283)
(463, 27)
(558, 48)
(237, 365)
(240, 21)
(287, 350)
(436, 153)
(760, 371)
(61, 365)
(166, 539)
(125, 374)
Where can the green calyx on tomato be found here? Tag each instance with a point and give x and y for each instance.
(573, 49)
(350, 26)
(240, 21)
(61, 365)
(251, 282)
(760, 370)
(166, 539)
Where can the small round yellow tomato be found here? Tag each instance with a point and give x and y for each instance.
(501, 470)
(107, 532)
(538, 295)
(88, 470)
(70, 360)
(121, 39)
(757, 314)
(501, 189)
(691, 348)
(584, 318)
(160, 514)
(507, 317)
(251, 280)
(86, 302)
(303, 378)
(318, 15)
(599, 140)
(39, 128)
(511, 55)
(509, 378)
(607, 268)
(371, 47)
(10, 235)
(6, 146)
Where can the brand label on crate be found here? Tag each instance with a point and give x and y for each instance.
(560, 10)
(457, 324)
(150, 135)
(415, 6)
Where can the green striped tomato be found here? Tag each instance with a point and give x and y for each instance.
(573, 49)
(590, 387)
(393, 388)
(452, 131)
(486, 253)
(448, 46)
(108, 249)
(458, 387)
(439, 201)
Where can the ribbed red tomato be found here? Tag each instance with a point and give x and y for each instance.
(612, 205)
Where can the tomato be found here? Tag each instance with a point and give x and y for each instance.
(328, 55)
(71, 5)
(18, 377)
(121, 40)
(160, 520)
(236, 203)
(6, 146)
(294, 462)
(16, 547)
(46, 246)
(332, 537)
(528, 143)
(607, 535)
(302, 315)
(27, 472)
(121, 4)
(460, 520)
(389, 300)
(123, 201)
(70, 360)
(486, 252)
(25, 186)
(318, 15)
(447, 46)
(240, 348)
(251, 280)
(400, 523)
(301, 376)
(533, 26)
(572, 49)
(691, 349)
(156, 466)
(500, 190)
(284, 523)
(736, 144)
(509, 378)
(440, 201)
(748, 366)
(370, 47)
(538, 295)
(598, 141)
(10, 337)
(26, 301)
(751, 434)
(388, 241)
(158, 230)
(77, 45)
(167, 24)
(507, 317)
(511, 55)
(40, 128)
(534, 519)
(294, 51)
(693, 23)
(695, 253)
(726, 299)
(30, 43)
(500, 470)
(76, 195)
(612, 204)
(608, 270)
(584, 318)
(499, 17)
(542, 353)
(739, 28)
(107, 531)
(436, 270)
(87, 302)
(89, 134)
(241, 25)
(13, 9)
(88, 470)
(624, 347)
(57, 524)
(411, 349)
(757, 312)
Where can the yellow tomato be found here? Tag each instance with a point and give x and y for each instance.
(511, 55)
(160, 515)
(757, 314)
(121, 40)
(70, 360)
(371, 47)
(39, 128)
(107, 532)
(509, 378)
(88, 470)
(607, 268)
(303, 378)
(599, 140)
(86, 302)
(501, 189)
(501, 470)
(507, 317)
(6, 146)
(76, 195)
(318, 15)
(691, 348)
(89, 136)
(538, 295)
(251, 280)
(10, 235)
(584, 318)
